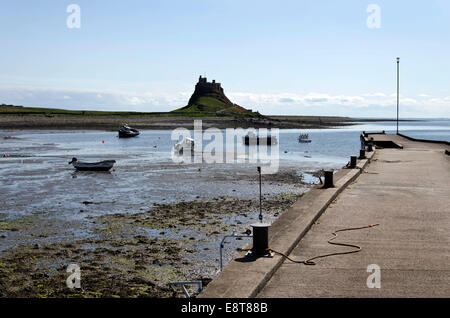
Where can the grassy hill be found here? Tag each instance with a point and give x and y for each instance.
(49, 112)
(11, 110)
(205, 106)
(214, 107)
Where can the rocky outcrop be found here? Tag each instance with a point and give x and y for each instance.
(209, 89)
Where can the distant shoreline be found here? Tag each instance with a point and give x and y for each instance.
(167, 123)
(19, 117)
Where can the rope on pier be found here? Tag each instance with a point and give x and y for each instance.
(310, 260)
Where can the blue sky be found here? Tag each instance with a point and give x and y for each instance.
(278, 57)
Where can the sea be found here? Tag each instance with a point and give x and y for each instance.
(328, 146)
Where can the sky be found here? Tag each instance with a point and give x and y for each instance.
(281, 57)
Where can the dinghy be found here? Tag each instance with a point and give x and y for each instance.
(92, 166)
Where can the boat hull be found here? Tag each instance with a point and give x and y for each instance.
(95, 166)
(123, 134)
(269, 141)
(127, 132)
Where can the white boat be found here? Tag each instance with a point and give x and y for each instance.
(186, 144)
(304, 138)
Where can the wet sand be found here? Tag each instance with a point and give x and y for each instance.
(160, 122)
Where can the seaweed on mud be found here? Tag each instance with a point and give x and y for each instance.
(133, 254)
(105, 271)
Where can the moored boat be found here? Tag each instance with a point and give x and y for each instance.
(126, 132)
(105, 165)
(252, 139)
(304, 138)
(186, 144)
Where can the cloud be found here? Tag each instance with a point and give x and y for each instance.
(375, 95)
(367, 105)
(313, 103)
(90, 99)
(316, 100)
(286, 100)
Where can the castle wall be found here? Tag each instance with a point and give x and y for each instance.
(205, 88)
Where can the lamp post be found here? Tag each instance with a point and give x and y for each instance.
(260, 196)
(398, 80)
(260, 230)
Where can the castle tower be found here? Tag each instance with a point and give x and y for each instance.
(212, 89)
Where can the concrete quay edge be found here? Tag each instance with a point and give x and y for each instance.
(242, 278)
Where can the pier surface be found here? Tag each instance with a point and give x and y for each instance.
(406, 191)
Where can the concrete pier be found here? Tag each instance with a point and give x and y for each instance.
(405, 189)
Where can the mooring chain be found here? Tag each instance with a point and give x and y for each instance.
(310, 260)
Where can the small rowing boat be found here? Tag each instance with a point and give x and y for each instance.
(105, 165)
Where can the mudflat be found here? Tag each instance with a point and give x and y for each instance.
(106, 122)
(131, 230)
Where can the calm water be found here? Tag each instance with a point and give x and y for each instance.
(35, 174)
(328, 146)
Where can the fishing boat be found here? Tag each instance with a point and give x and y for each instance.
(92, 166)
(126, 132)
(304, 138)
(252, 139)
(186, 144)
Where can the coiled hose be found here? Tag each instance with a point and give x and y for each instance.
(310, 260)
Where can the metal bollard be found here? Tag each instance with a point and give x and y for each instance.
(260, 239)
(328, 183)
(369, 147)
(352, 161)
(362, 154)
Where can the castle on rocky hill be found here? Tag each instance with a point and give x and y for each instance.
(210, 89)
